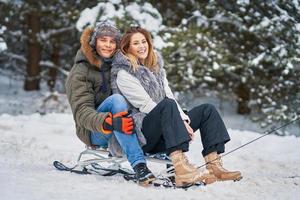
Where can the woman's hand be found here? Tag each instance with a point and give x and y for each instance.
(190, 130)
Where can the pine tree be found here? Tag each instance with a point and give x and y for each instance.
(41, 39)
(248, 48)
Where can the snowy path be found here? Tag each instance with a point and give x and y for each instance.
(30, 143)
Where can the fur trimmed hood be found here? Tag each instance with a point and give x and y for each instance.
(87, 50)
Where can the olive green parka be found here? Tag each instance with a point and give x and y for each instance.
(87, 86)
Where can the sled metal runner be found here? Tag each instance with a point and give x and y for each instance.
(99, 161)
(109, 162)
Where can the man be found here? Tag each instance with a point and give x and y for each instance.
(101, 118)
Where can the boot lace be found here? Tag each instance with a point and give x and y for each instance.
(220, 161)
(217, 161)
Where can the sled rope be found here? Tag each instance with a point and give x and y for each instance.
(267, 133)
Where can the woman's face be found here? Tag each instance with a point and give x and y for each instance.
(139, 46)
(106, 46)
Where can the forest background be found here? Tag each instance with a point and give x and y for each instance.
(245, 52)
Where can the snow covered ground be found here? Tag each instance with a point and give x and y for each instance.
(30, 143)
(15, 101)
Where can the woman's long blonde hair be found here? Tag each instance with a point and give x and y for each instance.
(151, 59)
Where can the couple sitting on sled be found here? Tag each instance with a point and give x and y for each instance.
(113, 75)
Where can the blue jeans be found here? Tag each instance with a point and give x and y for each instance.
(129, 143)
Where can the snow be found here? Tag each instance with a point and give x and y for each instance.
(150, 19)
(256, 60)
(53, 32)
(30, 143)
(15, 101)
(32, 138)
(88, 16)
(216, 66)
(145, 15)
(265, 22)
(296, 3)
(3, 45)
(209, 79)
(242, 2)
(147, 21)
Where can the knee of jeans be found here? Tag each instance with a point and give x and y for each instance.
(119, 103)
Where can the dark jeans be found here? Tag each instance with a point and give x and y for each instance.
(165, 131)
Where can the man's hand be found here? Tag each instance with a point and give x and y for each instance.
(119, 122)
(190, 130)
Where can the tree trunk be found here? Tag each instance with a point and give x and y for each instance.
(243, 96)
(53, 71)
(33, 69)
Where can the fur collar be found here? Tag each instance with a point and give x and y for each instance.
(120, 59)
(87, 50)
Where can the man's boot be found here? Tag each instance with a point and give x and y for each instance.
(143, 175)
(186, 174)
(215, 167)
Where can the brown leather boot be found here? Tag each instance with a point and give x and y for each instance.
(186, 174)
(215, 166)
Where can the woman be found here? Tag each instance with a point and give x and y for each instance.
(161, 125)
(101, 118)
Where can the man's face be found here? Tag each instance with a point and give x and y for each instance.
(106, 46)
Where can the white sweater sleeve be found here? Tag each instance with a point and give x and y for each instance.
(170, 95)
(134, 92)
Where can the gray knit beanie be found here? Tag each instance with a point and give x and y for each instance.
(104, 28)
